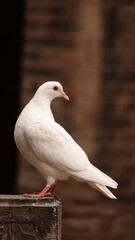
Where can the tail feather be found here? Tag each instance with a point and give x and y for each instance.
(96, 176)
(104, 179)
(103, 189)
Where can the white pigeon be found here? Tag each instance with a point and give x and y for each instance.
(49, 148)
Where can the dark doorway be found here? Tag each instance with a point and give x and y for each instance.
(11, 13)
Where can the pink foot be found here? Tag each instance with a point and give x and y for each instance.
(43, 193)
(52, 192)
(47, 191)
(56, 196)
(37, 195)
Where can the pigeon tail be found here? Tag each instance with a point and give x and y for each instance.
(94, 175)
(103, 189)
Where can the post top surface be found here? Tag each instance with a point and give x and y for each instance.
(17, 200)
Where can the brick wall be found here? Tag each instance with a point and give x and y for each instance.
(118, 90)
(89, 47)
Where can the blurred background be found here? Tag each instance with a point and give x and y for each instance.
(89, 46)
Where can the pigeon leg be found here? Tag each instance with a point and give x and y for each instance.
(52, 190)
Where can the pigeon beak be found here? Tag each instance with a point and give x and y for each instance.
(64, 95)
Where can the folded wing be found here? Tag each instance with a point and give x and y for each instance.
(54, 146)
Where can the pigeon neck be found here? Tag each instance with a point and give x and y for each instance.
(44, 104)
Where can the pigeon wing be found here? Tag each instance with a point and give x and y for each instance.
(54, 146)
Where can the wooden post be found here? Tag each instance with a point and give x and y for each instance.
(24, 218)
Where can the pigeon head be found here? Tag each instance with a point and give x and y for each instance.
(50, 90)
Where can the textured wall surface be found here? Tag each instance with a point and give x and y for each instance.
(89, 46)
(27, 219)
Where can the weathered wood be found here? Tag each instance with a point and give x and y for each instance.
(23, 218)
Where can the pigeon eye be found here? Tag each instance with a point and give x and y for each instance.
(55, 88)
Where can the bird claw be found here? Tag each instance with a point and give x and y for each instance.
(47, 191)
(57, 197)
(38, 195)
